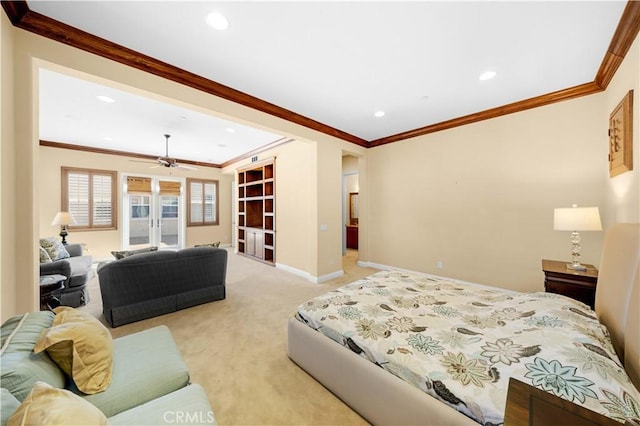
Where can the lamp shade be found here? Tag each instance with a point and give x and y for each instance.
(63, 218)
(577, 219)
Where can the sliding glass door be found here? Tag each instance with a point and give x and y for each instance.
(153, 209)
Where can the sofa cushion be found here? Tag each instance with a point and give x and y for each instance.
(9, 404)
(46, 405)
(44, 256)
(21, 368)
(81, 346)
(54, 247)
(188, 405)
(146, 365)
(126, 253)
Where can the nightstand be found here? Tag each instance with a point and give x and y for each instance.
(579, 285)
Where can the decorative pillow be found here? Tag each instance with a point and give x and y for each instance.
(126, 253)
(81, 346)
(208, 245)
(46, 405)
(44, 256)
(54, 248)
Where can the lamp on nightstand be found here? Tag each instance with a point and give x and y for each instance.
(63, 219)
(576, 219)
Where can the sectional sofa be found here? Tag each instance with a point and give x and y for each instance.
(149, 380)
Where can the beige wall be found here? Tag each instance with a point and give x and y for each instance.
(480, 198)
(101, 243)
(622, 194)
(7, 170)
(31, 52)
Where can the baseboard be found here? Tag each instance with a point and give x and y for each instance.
(307, 276)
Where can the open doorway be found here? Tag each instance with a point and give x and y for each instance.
(350, 216)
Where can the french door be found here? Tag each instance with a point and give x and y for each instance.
(154, 212)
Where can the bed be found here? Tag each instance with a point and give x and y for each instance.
(406, 348)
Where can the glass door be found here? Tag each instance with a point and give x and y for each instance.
(153, 208)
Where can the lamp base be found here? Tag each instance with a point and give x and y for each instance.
(63, 234)
(576, 267)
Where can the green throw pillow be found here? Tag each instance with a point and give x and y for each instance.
(44, 256)
(54, 248)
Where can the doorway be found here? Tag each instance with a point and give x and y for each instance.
(153, 212)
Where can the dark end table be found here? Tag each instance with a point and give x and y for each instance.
(579, 285)
(48, 285)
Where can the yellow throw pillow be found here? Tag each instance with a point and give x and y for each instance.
(81, 346)
(46, 405)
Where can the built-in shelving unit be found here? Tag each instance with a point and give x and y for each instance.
(256, 211)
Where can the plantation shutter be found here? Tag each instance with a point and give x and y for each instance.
(196, 194)
(89, 196)
(209, 202)
(202, 202)
(78, 197)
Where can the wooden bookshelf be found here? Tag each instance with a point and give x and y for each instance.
(256, 211)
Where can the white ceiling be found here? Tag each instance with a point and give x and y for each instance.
(335, 62)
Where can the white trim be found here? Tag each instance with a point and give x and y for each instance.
(330, 276)
(307, 276)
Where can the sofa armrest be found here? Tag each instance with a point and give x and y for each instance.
(74, 249)
(61, 267)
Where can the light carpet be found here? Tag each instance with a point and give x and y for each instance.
(237, 348)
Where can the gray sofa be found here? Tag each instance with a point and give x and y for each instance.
(77, 269)
(149, 386)
(155, 283)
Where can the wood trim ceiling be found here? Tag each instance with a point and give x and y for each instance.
(22, 17)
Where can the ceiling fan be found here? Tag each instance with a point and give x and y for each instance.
(167, 161)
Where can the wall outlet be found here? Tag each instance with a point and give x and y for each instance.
(323, 227)
(439, 264)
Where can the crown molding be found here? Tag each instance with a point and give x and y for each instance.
(120, 153)
(22, 17)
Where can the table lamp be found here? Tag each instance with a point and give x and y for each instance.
(63, 219)
(576, 219)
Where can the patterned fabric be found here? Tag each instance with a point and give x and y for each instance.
(216, 244)
(54, 248)
(126, 253)
(44, 256)
(461, 342)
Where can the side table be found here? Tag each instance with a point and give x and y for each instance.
(48, 285)
(579, 285)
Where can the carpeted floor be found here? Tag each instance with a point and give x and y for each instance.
(236, 348)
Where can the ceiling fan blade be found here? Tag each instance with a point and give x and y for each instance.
(185, 167)
(144, 161)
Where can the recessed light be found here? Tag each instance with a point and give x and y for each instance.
(221, 145)
(105, 99)
(107, 138)
(231, 130)
(487, 75)
(217, 21)
(379, 113)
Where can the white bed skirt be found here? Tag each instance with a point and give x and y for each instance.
(377, 395)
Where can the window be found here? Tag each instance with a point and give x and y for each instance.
(89, 195)
(202, 202)
(139, 206)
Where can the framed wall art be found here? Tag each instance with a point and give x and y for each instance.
(621, 137)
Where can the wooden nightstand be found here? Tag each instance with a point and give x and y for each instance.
(579, 285)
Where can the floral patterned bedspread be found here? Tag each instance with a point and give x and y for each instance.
(461, 342)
